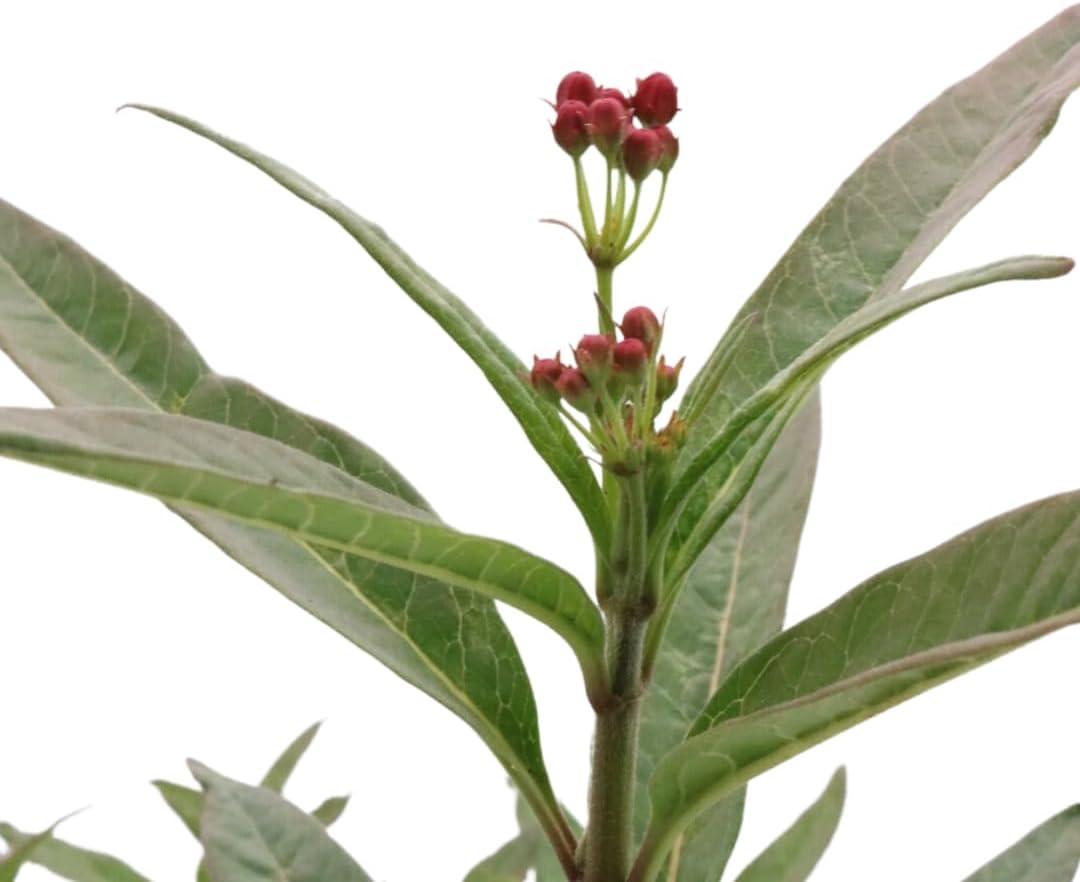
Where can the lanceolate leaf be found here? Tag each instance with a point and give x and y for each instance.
(252, 834)
(903, 200)
(918, 624)
(793, 856)
(19, 855)
(192, 463)
(69, 861)
(279, 773)
(733, 601)
(706, 477)
(1049, 853)
(329, 810)
(503, 369)
(186, 802)
(85, 337)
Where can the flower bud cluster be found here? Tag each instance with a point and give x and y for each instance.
(620, 385)
(629, 131)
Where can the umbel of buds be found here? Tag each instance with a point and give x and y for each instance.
(632, 135)
(619, 385)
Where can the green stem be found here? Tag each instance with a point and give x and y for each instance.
(588, 220)
(648, 227)
(628, 223)
(605, 294)
(609, 840)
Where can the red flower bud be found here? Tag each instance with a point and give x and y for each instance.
(640, 323)
(574, 387)
(545, 374)
(593, 355)
(642, 151)
(671, 148)
(631, 357)
(667, 379)
(607, 124)
(655, 101)
(576, 86)
(569, 127)
(608, 92)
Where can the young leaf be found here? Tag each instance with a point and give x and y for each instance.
(279, 773)
(504, 370)
(793, 856)
(86, 337)
(733, 601)
(1049, 853)
(903, 200)
(329, 810)
(252, 834)
(706, 476)
(68, 861)
(195, 464)
(185, 802)
(918, 624)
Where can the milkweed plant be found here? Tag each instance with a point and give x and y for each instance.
(694, 501)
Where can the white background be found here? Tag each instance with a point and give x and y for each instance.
(128, 643)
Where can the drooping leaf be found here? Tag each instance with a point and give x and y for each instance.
(793, 856)
(918, 624)
(277, 776)
(204, 466)
(69, 861)
(704, 485)
(733, 601)
(252, 834)
(329, 810)
(901, 202)
(86, 337)
(1049, 853)
(504, 370)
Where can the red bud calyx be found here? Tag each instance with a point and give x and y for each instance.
(594, 356)
(608, 92)
(642, 151)
(631, 357)
(656, 100)
(569, 127)
(574, 386)
(545, 375)
(641, 323)
(670, 146)
(607, 124)
(575, 86)
(667, 379)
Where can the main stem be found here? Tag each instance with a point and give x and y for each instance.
(609, 840)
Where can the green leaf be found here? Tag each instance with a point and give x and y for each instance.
(191, 463)
(901, 202)
(1049, 853)
(86, 337)
(278, 775)
(510, 863)
(66, 860)
(918, 624)
(793, 856)
(20, 853)
(252, 834)
(504, 370)
(705, 482)
(733, 601)
(185, 802)
(329, 810)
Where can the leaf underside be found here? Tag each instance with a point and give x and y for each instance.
(1049, 853)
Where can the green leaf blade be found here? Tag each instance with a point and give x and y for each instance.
(277, 776)
(461, 654)
(503, 370)
(918, 624)
(186, 803)
(733, 601)
(68, 861)
(252, 834)
(793, 856)
(1049, 853)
